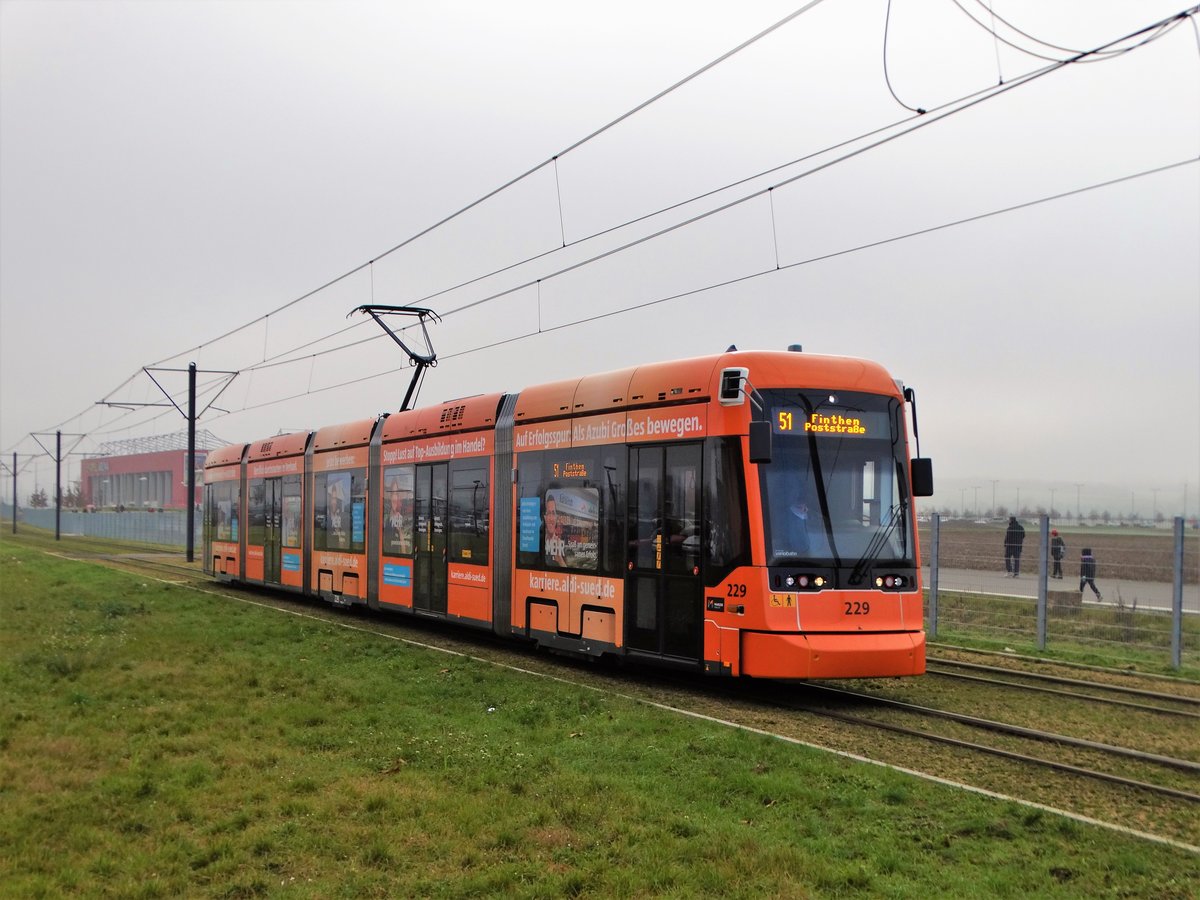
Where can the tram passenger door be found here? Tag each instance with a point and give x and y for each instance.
(664, 597)
(429, 563)
(273, 526)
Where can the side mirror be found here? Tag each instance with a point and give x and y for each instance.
(922, 477)
(760, 442)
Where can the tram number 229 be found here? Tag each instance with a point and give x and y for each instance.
(858, 608)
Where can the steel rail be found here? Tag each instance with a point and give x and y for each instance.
(1017, 730)
(1112, 701)
(1010, 754)
(1077, 682)
(1061, 663)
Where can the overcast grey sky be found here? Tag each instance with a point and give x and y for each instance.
(172, 170)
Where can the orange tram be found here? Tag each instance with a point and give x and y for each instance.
(745, 514)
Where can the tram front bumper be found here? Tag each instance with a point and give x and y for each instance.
(856, 655)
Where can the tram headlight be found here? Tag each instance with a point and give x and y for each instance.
(804, 581)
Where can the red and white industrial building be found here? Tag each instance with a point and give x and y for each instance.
(145, 473)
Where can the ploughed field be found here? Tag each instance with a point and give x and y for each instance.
(1120, 554)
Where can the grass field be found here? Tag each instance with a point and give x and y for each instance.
(1102, 635)
(160, 742)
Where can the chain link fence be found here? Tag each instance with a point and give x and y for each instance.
(985, 583)
(167, 528)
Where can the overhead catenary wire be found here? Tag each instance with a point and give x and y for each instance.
(1162, 27)
(947, 109)
(996, 17)
(998, 39)
(1093, 56)
(270, 361)
(741, 279)
(996, 44)
(847, 251)
(645, 217)
(917, 124)
(511, 182)
(519, 178)
(126, 413)
(887, 21)
(285, 357)
(358, 381)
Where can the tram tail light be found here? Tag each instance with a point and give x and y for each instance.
(893, 582)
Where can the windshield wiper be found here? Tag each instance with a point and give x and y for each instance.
(823, 501)
(878, 542)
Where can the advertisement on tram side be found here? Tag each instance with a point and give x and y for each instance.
(455, 513)
(636, 426)
(339, 521)
(570, 596)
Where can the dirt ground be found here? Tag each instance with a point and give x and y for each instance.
(1119, 553)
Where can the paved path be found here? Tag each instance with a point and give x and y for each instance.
(1149, 594)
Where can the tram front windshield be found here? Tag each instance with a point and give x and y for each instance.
(836, 492)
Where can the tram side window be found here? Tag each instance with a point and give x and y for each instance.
(645, 526)
(291, 511)
(256, 513)
(207, 519)
(529, 509)
(611, 480)
(681, 509)
(225, 500)
(570, 510)
(398, 511)
(469, 493)
(339, 511)
(725, 505)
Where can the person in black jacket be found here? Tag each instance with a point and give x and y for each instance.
(1014, 537)
(1058, 549)
(1087, 571)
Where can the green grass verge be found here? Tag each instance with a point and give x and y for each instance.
(1103, 635)
(158, 742)
(31, 535)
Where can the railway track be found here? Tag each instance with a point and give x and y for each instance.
(1083, 776)
(1037, 664)
(1032, 734)
(1095, 692)
(161, 563)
